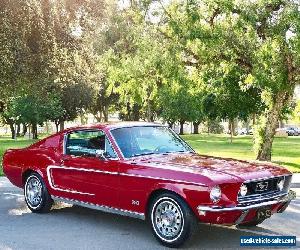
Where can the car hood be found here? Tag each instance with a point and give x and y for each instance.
(214, 168)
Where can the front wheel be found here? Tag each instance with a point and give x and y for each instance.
(172, 220)
(36, 194)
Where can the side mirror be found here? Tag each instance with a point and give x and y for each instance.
(100, 154)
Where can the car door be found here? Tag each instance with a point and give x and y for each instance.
(89, 169)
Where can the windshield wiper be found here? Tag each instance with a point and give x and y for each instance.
(167, 152)
(149, 153)
(179, 151)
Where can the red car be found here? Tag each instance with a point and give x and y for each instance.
(145, 170)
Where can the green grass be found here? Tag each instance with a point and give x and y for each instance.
(286, 151)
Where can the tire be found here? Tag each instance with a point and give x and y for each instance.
(36, 194)
(172, 221)
(253, 223)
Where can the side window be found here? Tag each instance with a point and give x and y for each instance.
(88, 143)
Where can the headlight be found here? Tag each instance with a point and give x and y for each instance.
(280, 184)
(243, 190)
(215, 194)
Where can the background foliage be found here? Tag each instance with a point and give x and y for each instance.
(199, 61)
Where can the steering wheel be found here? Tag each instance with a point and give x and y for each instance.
(162, 148)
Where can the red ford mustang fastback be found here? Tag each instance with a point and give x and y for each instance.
(146, 171)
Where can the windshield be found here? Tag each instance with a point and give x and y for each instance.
(136, 141)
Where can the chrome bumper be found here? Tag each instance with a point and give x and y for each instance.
(283, 199)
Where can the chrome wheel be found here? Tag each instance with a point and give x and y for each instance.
(33, 192)
(167, 219)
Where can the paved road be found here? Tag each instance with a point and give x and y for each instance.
(81, 228)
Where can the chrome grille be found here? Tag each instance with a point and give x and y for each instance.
(264, 189)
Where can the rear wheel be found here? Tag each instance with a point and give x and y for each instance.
(36, 194)
(172, 220)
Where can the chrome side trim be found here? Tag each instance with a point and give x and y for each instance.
(52, 185)
(101, 208)
(83, 169)
(113, 173)
(290, 196)
(163, 179)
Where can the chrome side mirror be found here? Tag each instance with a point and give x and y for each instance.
(100, 154)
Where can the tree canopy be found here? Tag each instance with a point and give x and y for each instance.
(179, 61)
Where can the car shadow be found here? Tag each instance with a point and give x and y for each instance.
(206, 236)
(84, 227)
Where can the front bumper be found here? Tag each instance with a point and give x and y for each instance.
(243, 212)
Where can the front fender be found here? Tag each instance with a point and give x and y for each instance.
(192, 194)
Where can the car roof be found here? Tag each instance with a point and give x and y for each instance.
(115, 125)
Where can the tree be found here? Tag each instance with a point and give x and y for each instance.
(261, 38)
(46, 47)
(176, 106)
(232, 99)
(196, 111)
(275, 63)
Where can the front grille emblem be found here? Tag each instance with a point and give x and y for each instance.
(261, 186)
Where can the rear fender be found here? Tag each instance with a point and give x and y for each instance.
(33, 169)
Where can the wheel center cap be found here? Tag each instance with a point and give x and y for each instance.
(168, 219)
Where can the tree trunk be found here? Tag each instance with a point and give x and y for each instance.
(24, 129)
(234, 126)
(282, 98)
(231, 127)
(196, 127)
(148, 112)
(272, 117)
(56, 126)
(181, 127)
(105, 114)
(135, 113)
(18, 130)
(61, 125)
(98, 116)
(170, 124)
(82, 119)
(12, 129)
(254, 119)
(34, 131)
